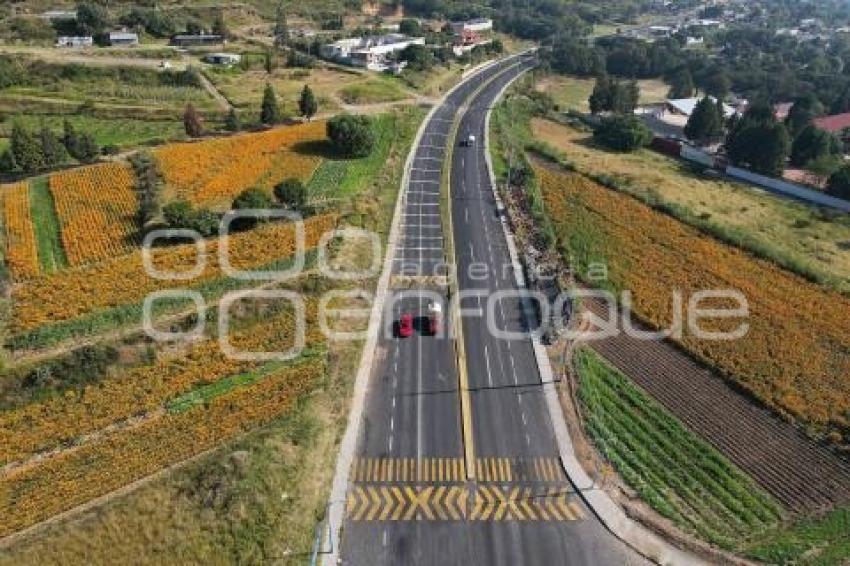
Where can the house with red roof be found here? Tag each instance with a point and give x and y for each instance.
(834, 124)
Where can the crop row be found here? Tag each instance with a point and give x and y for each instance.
(215, 171)
(61, 420)
(678, 474)
(32, 494)
(97, 208)
(21, 249)
(796, 354)
(121, 280)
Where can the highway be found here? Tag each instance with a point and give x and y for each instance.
(412, 497)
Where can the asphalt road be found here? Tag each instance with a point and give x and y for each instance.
(409, 498)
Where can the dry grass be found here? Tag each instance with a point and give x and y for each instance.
(795, 230)
(571, 93)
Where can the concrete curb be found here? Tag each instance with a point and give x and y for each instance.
(339, 487)
(609, 513)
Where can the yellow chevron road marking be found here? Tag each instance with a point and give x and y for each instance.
(460, 502)
(453, 470)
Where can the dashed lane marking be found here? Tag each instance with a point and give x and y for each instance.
(449, 470)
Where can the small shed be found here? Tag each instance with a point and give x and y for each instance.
(119, 38)
(225, 59)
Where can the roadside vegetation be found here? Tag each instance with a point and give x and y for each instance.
(824, 541)
(677, 474)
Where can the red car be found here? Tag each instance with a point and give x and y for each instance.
(405, 325)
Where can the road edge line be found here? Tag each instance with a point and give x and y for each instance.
(633, 534)
(348, 444)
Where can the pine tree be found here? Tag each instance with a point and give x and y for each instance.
(51, 147)
(307, 105)
(89, 151)
(231, 121)
(268, 63)
(192, 122)
(270, 112)
(7, 162)
(706, 122)
(682, 85)
(26, 150)
(70, 139)
(600, 98)
(281, 26)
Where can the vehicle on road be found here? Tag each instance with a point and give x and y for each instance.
(434, 319)
(405, 325)
(468, 142)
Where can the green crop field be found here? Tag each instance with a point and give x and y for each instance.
(679, 475)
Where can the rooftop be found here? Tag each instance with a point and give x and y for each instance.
(835, 123)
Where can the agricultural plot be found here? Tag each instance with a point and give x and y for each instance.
(97, 209)
(796, 354)
(679, 475)
(21, 250)
(213, 172)
(117, 281)
(796, 236)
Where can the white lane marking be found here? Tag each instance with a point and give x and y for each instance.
(527, 439)
(524, 419)
(393, 402)
(385, 537)
(421, 170)
(421, 214)
(487, 360)
(392, 423)
(466, 214)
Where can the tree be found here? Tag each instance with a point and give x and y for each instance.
(307, 105)
(613, 95)
(268, 62)
(813, 143)
(192, 122)
(681, 84)
(409, 26)
(7, 162)
(231, 121)
(716, 83)
(220, 26)
(270, 112)
(92, 19)
(705, 123)
(252, 198)
(839, 183)
(601, 98)
(194, 27)
(819, 170)
(418, 57)
(291, 193)
(89, 150)
(351, 136)
(759, 141)
(70, 139)
(281, 26)
(623, 133)
(26, 150)
(803, 111)
(53, 150)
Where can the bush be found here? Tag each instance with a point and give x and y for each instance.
(291, 193)
(351, 136)
(179, 214)
(839, 183)
(622, 133)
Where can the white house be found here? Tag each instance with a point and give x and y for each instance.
(74, 41)
(118, 38)
(368, 52)
(477, 25)
(225, 59)
(685, 106)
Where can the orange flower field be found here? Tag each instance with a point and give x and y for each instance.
(122, 280)
(96, 206)
(21, 250)
(796, 356)
(33, 493)
(47, 424)
(213, 172)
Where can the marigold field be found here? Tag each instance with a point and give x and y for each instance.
(796, 356)
(121, 280)
(213, 172)
(36, 492)
(97, 209)
(21, 249)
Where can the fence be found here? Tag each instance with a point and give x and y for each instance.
(790, 189)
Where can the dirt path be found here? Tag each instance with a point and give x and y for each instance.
(220, 99)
